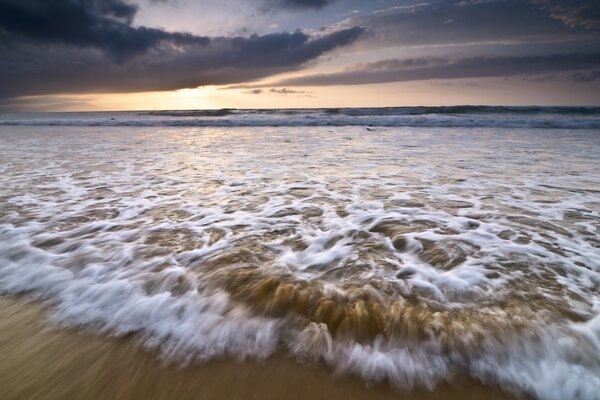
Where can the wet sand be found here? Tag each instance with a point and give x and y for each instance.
(42, 362)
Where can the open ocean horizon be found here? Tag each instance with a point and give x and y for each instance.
(465, 116)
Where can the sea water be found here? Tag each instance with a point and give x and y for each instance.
(466, 243)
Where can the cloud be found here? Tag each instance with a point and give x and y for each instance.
(106, 25)
(102, 24)
(79, 46)
(283, 91)
(296, 4)
(586, 76)
(30, 69)
(573, 13)
(288, 91)
(74, 46)
(477, 21)
(427, 68)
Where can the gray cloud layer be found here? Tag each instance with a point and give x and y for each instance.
(396, 70)
(476, 21)
(62, 47)
(105, 24)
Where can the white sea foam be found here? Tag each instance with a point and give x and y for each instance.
(479, 247)
(441, 117)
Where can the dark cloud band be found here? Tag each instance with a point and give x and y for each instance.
(61, 46)
(427, 68)
(102, 24)
(35, 69)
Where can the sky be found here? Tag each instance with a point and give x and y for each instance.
(96, 55)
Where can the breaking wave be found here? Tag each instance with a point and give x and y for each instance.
(411, 256)
(442, 117)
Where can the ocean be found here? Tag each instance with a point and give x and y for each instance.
(431, 117)
(411, 247)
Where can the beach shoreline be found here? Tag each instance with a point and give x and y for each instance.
(47, 363)
(421, 258)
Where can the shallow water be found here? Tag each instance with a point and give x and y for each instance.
(411, 256)
(43, 363)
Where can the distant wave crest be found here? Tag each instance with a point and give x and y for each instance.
(438, 117)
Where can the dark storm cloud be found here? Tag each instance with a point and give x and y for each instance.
(468, 22)
(67, 46)
(36, 69)
(426, 68)
(103, 24)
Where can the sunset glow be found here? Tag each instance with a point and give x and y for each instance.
(300, 199)
(267, 53)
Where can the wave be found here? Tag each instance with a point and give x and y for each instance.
(428, 117)
(368, 111)
(191, 113)
(394, 257)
